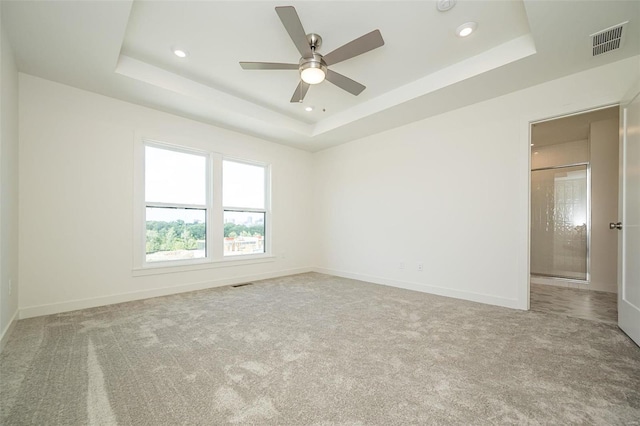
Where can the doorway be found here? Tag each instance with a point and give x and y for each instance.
(574, 196)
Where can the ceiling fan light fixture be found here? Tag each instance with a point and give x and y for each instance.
(313, 70)
(466, 29)
(312, 75)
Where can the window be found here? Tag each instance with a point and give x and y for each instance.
(175, 205)
(198, 207)
(244, 201)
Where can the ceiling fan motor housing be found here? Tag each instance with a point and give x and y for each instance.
(315, 41)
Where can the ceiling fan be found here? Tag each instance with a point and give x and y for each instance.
(312, 65)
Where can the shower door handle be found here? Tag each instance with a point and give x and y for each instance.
(617, 225)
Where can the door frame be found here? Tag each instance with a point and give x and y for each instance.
(524, 288)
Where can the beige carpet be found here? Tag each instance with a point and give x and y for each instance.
(313, 349)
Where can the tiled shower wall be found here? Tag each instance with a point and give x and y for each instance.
(559, 210)
(559, 222)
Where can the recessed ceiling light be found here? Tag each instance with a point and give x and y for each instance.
(466, 29)
(308, 109)
(532, 144)
(180, 53)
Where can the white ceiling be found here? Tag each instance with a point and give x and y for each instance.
(122, 49)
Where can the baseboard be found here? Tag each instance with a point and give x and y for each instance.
(6, 333)
(74, 305)
(425, 288)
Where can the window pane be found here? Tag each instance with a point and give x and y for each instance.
(243, 233)
(175, 177)
(242, 185)
(175, 234)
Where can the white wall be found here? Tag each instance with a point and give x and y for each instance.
(451, 192)
(8, 187)
(604, 205)
(76, 200)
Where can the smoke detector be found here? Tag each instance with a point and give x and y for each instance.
(608, 40)
(444, 5)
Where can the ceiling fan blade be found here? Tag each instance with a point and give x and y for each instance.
(300, 92)
(292, 24)
(268, 66)
(345, 83)
(356, 47)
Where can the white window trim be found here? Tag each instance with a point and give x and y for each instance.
(215, 214)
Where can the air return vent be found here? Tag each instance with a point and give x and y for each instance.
(241, 285)
(608, 39)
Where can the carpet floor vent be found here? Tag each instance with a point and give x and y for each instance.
(608, 39)
(241, 285)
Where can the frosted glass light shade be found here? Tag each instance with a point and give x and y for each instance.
(312, 75)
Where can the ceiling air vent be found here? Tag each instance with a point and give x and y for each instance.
(608, 39)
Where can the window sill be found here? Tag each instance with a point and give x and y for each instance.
(200, 265)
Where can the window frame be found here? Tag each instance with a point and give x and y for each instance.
(214, 254)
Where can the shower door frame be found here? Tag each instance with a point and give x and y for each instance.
(587, 279)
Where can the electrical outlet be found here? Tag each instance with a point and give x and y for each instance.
(420, 267)
(401, 266)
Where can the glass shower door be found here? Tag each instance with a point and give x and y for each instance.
(559, 222)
